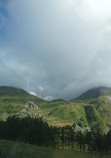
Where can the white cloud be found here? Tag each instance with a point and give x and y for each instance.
(33, 93)
(40, 88)
(48, 98)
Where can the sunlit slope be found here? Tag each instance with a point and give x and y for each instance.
(14, 101)
(84, 114)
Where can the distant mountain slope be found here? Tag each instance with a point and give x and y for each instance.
(15, 101)
(11, 91)
(95, 93)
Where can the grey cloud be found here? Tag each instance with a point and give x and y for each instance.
(59, 45)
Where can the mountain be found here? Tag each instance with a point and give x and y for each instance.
(15, 101)
(95, 93)
(11, 91)
(90, 111)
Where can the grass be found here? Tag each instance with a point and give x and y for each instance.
(57, 112)
(12, 149)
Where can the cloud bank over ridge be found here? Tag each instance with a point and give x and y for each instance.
(55, 48)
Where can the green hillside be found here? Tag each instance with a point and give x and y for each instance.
(90, 111)
(11, 91)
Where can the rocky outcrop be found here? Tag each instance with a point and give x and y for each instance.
(31, 105)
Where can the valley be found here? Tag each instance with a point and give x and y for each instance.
(92, 111)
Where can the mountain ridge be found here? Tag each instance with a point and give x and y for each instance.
(94, 93)
(92, 112)
(12, 91)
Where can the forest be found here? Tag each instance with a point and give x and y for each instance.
(36, 131)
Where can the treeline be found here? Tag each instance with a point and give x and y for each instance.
(35, 131)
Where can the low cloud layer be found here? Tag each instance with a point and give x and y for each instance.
(55, 48)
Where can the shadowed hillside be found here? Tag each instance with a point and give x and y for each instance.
(11, 91)
(95, 93)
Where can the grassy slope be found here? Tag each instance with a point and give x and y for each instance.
(11, 91)
(58, 112)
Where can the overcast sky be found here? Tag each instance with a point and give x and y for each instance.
(55, 48)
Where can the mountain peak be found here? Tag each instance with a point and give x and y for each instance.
(94, 93)
(12, 91)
